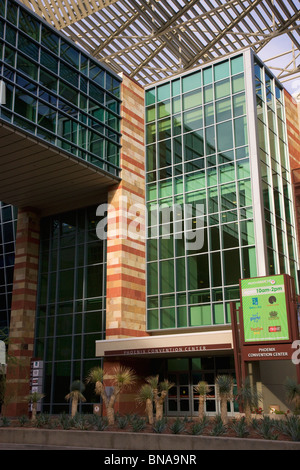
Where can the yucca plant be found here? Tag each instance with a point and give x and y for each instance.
(202, 388)
(75, 395)
(122, 378)
(160, 391)
(224, 385)
(248, 397)
(34, 398)
(292, 389)
(145, 395)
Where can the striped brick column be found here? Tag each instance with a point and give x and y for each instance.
(292, 112)
(23, 309)
(126, 244)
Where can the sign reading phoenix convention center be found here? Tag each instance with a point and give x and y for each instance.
(265, 314)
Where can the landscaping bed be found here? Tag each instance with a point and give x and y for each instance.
(266, 427)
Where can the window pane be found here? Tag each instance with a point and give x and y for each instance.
(223, 110)
(222, 89)
(192, 81)
(167, 276)
(192, 120)
(192, 99)
(221, 70)
(198, 272)
(240, 131)
(232, 272)
(200, 315)
(224, 136)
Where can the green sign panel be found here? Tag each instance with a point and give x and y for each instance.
(265, 315)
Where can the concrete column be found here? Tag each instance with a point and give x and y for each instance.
(23, 311)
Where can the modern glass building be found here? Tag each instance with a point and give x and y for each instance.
(216, 138)
(70, 313)
(206, 152)
(8, 217)
(57, 92)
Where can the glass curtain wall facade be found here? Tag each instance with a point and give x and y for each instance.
(8, 220)
(275, 174)
(197, 152)
(71, 303)
(55, 91)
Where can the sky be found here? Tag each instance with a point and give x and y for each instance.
(275, 47)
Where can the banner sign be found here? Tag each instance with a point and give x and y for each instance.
(265, 315)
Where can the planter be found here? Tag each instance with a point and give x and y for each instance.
(49, 438)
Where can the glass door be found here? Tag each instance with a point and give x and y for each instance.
(179, 394)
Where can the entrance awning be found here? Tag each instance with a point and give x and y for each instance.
(191, 344)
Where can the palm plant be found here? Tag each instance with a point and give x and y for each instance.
(33, 398)
(202, 388)
(75, 395)
(123, 377)
(145, 395)
(292, 389)
(224, 384)
(248, 397)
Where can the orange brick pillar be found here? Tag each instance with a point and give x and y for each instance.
(292, 111)
(23, 310)
(126, 241)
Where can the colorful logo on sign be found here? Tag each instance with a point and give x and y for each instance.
(263, 294)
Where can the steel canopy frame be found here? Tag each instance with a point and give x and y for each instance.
(151, 40)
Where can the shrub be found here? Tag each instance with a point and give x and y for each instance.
(239, 426)
(199, 427)
(23, 420)
(122, 421)
(160, 425)
(266, 427)
(138, 424)
(219, 428)
(100, 423)
(178, 426)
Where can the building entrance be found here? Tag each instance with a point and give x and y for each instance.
(185, 373)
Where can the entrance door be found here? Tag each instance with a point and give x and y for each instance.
(179, 395)
(185, 373)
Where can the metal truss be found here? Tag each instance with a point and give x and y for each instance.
(150, 40)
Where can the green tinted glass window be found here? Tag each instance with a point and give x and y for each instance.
(168, 318)
(221, 70)
(222, 89)
(223, 110)
(192, 81)
(150, 96)
(239, 105)
(208, 93)
(150, 133)
(207, 76)
(164, 129)
(163, 92)
(29, 25)
(237, 65)
(238, 83)
(192, 120)
(224, 136)
(153, 320)
(150, 114)
(175, 87)
(192, 99)
(163, 109)
(200, 315)
(49, 39)
(28, 67)
(240, 131)
(166, 276)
